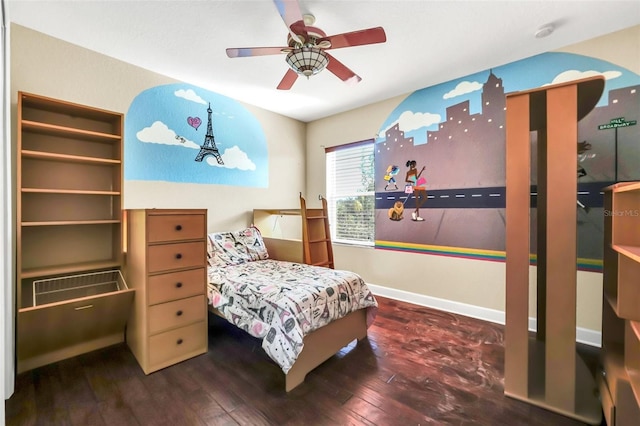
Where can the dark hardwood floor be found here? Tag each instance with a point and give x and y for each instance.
(419, 366)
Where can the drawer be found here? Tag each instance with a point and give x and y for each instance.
(176, 345)
(177, 313)
(52, 328)
(175, 227)
(166, 257)
(176, 285)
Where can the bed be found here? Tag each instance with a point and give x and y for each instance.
(303, 314)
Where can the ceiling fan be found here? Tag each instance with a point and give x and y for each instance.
(307, 46)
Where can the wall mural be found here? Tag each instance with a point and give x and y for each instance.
(440, 159)
(183, 133)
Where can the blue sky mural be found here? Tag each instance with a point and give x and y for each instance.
(183, 133)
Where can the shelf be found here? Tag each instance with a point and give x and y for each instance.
(632, 252)
(53, 106)
(69, 191)
(612, 299)
(634, 380)
(632, 356)
(628, 291)
(613, 364)
(52, 129)
(71, 222)
(281, 212)
(635, 327)
(68, 158)
(621, 288)
(622, 292)
(625, 186)
(70, 268)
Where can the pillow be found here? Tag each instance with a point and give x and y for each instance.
(226, 250)
(252, 239)
(234, 248)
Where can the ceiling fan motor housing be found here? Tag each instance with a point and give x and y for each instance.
(310, 39)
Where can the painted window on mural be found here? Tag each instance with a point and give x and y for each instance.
(444, 147)
(350, 193)
(183, 133)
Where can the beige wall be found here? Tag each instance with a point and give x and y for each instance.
(50, 67)
(47, 66)
(472, 282)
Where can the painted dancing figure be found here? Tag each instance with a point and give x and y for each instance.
(419, 189)
(390, 176)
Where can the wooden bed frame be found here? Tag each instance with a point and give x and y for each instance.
(323, 343)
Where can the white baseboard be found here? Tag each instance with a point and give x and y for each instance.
(583, 335)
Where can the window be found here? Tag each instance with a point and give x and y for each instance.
(350, 193)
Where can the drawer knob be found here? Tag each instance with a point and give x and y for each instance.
(178, 256)
(178, 227)
(179, 313)
(178, 285)
(179, 342)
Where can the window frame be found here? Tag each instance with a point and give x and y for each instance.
(334, 196)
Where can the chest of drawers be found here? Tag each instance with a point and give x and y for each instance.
(166, 264)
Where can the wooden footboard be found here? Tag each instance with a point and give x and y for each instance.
(323, 343)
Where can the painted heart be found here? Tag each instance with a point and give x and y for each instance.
(194, 122)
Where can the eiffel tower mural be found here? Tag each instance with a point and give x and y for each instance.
(209, 145)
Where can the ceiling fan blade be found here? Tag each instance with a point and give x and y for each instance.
(341, 71)
(356, 38)
(255, 51)
(287, 81)
(289, 10)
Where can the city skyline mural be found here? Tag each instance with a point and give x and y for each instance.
(454, 134)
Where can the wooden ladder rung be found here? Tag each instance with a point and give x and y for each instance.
(312, 226)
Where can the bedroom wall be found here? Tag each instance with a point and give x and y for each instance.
(51, 67)
(47, 66)
(466, 286)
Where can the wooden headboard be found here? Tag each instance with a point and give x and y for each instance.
(283, 249)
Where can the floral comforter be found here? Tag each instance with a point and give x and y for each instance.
(280, 302)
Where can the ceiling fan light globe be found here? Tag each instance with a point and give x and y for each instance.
(307, 61)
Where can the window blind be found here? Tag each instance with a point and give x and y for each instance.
(350, 193)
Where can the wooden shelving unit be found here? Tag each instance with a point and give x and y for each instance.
(545, 370)
(69, 221)
(620, 379)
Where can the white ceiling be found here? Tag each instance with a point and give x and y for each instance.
(428, 42)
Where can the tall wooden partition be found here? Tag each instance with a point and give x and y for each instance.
(542, 368)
